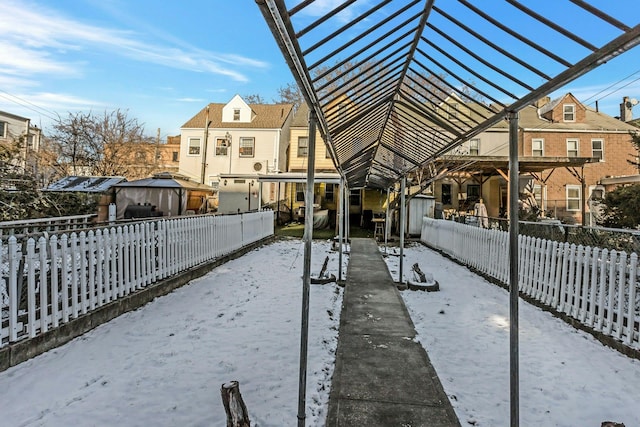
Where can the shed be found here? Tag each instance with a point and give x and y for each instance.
(170, 194)
(420, 206)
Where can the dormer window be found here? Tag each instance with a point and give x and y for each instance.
(236, 114)
(568, 112)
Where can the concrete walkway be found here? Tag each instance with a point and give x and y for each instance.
(382, 376)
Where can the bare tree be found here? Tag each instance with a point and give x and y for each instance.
(254, 98)
(290, 94)
(112, 144)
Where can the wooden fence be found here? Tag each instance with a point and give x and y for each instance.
(45, 283)
(597, 287)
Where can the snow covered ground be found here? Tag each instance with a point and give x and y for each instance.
(163, 364)
(567, 377)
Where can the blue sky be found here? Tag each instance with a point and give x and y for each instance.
(163, 61)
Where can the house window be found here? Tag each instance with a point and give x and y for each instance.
(568, 112)
(354, 197)
(303, 146)
(537, 147)
(174, 156)
(328, 192)
(194, 146)
(538, 195)
(446, 194)
(247, 147)
(236, 114)
(222, 147)
(573, 197)
(473, 192)
(299, 192)
(572, 148)
(597, 149)
(474, 147)
(3, 129)
(141, 156)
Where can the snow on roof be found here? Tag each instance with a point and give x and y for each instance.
(86, 184)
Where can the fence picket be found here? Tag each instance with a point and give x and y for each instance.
(622, 274)
(65, 270)
(593, 286)
(604, 262)
(55, 296)
(44, 294)
(611, 290)
(584, 285)
(31, 287)
(631, 308)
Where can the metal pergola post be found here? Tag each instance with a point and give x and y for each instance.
(306, 279)
(513, 270)
(403, 185)
(386, 223)
(340, 227)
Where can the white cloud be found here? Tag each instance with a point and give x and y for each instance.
(190, 100)
(40, 46)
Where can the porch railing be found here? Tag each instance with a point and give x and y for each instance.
(47, 282)
(597, 287)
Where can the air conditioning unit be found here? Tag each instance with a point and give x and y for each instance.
(260, 167)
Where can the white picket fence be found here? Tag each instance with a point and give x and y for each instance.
(72, 274)
(597, 287)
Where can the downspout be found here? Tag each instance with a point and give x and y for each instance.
(204, 148)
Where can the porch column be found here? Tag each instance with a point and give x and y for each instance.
(306, 278)
(513, 268)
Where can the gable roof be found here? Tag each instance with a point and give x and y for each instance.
(267, 116)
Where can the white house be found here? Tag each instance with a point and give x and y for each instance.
(223, 141)
(18, 133)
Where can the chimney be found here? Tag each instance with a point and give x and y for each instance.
(626, 109)
(542, 102)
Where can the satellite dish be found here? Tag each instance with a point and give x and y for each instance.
(630, 103)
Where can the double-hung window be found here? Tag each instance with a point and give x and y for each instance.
(597, 149)
(569, 112)
(247, 146)
(537, 147)
(222, 147)
(572, 148)
(474, 147)
(573, 197)
(303, 146)
(194, 146)
(299, 192)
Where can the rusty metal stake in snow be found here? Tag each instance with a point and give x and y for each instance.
(237, 415)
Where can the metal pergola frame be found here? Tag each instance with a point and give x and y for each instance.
(385, 85)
